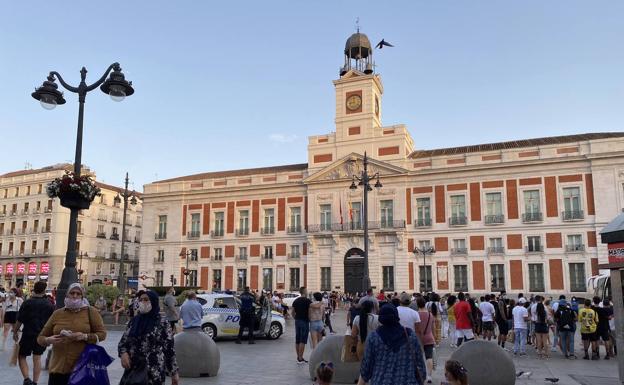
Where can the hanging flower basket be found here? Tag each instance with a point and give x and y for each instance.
(74, 192)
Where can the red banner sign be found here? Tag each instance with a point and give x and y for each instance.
(9, 269)
(32, 268)
(45, 268)
(616, 252)
(21, 268)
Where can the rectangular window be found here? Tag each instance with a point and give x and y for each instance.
(268, 252)
(39, 188)
(355, 215)
(423, 212)
(572, 199)
(160, 255)
(536, 277)
(496, 245)
(98, 269)
(242, 253)
(532, 202)
(243, 222)
(195, 225)
(386, 213)
(388, 277)
(295, 220)
(192, 278)
(493, 204)
(11, 248)
(577, 277)
(46, 246)
(534, 244)
(426, 278)
(326, 278)
(219, 224)
(218, 254)
(241, 280)
(497, 273)
(193, 255)
(295, 283)
(459, 246)
(294, 251)
(325, 217)
(112, 268)
(458, 210)
(216, 279)
(424, 244)
(269, 221)
(575, 243)
(460, 274)
(267, 279)
(162, 226)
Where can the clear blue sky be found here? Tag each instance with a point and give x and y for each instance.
(227, 85)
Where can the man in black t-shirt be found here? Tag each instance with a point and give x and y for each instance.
(602, 329)
(300, 309)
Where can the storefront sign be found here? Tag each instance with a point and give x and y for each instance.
(32, 268)
(616, 252)
(9, 269)
(21, 268)
(31, 277)
(43, 277)
(45, 268)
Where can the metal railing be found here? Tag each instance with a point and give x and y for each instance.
(572, 215)
(241, 257)
(534, 249)
(34, 230)
(267, 256)
(267, 230)
(114, 236)
(458, 220)
(575, 248)
(294, 229)
(102, 218)
(294, 255)
(459, 251)
(356, 226)
(494, 219)
(12, 213)
(532, 217)
(159, 260)
(193, 234)
(46, 230)
(422, 222)
(242, 232)
(115, 220)
(25, 212)
(160, 236)
(216, 233)
(113, 256)
(217, 258)
(496, 250)
(47, 210)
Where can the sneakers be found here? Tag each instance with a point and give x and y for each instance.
(28, 381)
(429, 381)
(301, 361)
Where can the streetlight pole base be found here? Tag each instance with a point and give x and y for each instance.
(69, 276)
(366, 283)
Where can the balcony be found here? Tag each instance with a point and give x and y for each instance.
(294, 256)
(34, 230)
(422, 222)
(242, 232)
(10, 232)
(46, 251)
(115, 220)
(458, 220)
(46, 230)
(216, 233)
(267, 230)
(21, 232)
(294, 229)
(267, 256)
(217, 258)
(534, 249)
(160, 236)
(47, 210)
(159, 260)
(113, 256)
(25, 212)
(459, 251)
(137, 240)
(572, 215)
(192, 235)
(114, 236)
(138, 224)
(102, 218)
(387, 224)
(101, 234)
(532, 217)
(578, 248)
(3, 215)
(241, 257)
(494, 219)
(496, 250)
(12, 213)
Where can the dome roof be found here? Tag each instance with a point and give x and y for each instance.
(358, 46)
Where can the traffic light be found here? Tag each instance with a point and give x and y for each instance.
(172, 279)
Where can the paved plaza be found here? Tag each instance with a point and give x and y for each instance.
(274, 362)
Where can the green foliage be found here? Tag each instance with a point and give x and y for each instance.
(109, 292)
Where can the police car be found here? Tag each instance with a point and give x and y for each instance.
(221, 317)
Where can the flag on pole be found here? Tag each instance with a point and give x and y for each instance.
(350, 212)
(341, 212)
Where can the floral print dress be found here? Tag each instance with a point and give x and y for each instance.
(156, 347)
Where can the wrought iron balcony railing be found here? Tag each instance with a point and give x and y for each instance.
(422, 222)
(494, 219)
(458, 220)
(572, 215)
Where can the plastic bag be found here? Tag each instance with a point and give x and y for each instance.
(91, 367)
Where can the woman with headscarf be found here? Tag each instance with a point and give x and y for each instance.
(392, 355)
(149, 341)
(69, 330)
(363, 325)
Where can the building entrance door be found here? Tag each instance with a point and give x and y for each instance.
(354, 270)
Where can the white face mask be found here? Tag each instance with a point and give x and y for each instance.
(145, 307)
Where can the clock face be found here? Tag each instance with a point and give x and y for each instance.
(354, 102)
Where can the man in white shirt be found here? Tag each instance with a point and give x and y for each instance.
(520, 317)
(408, 317)
(487, 317)
(370, 297)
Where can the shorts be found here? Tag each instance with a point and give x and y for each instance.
(503, 327)
(541, 328)
(464, 333)
(428, 351)
(28, 345)
(302, 329)
(10, 317)
(316, 326)
(488, 325)
(589, 336)
(603, 335)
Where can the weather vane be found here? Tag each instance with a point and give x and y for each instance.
(357, 24)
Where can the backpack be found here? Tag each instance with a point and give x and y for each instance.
(566, 318)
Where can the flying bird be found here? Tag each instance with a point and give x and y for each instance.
(383, 42)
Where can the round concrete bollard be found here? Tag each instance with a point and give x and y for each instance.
(330, 350)
(197, 354)
(478, 357)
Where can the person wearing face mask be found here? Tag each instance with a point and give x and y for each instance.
(11, 306)
(149, 341)
(68, 330)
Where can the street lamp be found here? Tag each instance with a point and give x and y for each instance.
(364, 180)
(121, 282)
(424, 251)
(186, 272)
(49, 96)
(80, 271)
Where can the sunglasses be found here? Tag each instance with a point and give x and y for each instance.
(326, 364)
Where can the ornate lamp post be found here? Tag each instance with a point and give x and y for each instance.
(49, 96)
(364, 180)
(424, 251)
(121, 281)
(188, 254)
(80, 271)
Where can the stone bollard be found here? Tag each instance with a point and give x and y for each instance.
(486, 363)
(197, 354)
(330, 349)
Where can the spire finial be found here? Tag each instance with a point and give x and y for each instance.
(357, 24)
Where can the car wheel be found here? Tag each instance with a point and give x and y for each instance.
(211, 330)
(275, 331)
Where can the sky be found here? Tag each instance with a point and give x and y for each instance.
(240, 84)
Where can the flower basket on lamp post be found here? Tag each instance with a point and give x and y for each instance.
(74, 191)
